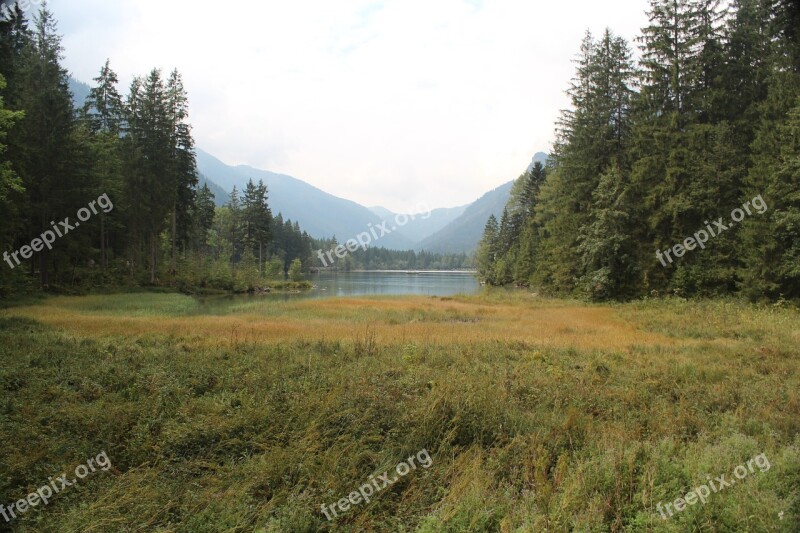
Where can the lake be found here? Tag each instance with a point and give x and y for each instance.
(375, 282)
(394, 282)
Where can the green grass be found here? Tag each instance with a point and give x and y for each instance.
(210, 434)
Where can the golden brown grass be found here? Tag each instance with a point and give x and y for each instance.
(438, 320)
(540, 415)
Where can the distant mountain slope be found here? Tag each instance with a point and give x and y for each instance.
(319, 213)
(220, 195)
(382, 212)
(79, 90)
(419, 229)
(464, 233)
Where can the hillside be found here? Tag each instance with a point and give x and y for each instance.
(319, 213)
(464, 233)
(420, 228)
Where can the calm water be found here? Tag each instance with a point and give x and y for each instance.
(330, 284)
(333, 284)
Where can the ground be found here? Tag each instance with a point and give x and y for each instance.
(250, 414)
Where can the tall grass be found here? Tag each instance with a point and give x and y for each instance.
(539, 415)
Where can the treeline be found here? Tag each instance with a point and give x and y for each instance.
(383, 259)
(654, 151)
(139, 151)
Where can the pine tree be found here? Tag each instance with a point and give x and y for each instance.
(149, 153)
(203, 217)
(235, 229)
(45, 140)
(607, 248)
(526, 255)
(592, 136)
(183, 163)
(103, 114)
(103, 108)
(771, 240)
(15, 37)
(684, 166)
(11, 188)
(488, 250)
(257, 219)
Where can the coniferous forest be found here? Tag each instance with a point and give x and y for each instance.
(664, 136)
(138, 150)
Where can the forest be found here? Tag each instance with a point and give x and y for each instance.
(137, 150)
(655, 147)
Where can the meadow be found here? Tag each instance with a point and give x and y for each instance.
(538, 414)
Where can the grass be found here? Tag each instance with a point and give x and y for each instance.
(248, 414)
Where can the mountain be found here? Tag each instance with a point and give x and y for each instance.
(382, 212)
(419, 229)
(464, 233)
(79, 90)
(221, 196)
(319, 213)
(540, 157)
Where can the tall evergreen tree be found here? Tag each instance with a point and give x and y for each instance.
(103, 114)
(45, 146)
(11, 189)
(487, 250)
(607, 248)
(150, 150)
(235, 229)
(592, 136)
(15, 37)
(183, 175)
(257, 220)
(103, 108)
(202, 217)
(526, 255)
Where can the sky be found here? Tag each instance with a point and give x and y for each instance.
(392, 103)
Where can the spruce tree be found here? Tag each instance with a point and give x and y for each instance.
(487, 250)
(103, 108)
(607, 248)
(11, 188)
(183, 162)
(592, 136)
(257, 219)
(203, 217)
(45, 139)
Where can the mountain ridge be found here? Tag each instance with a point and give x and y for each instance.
(321, 214)
(464, 233)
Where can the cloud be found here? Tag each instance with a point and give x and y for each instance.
(389, 103)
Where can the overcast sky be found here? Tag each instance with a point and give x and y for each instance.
(382, 102)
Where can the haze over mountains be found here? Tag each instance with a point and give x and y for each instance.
(445, 230)
(321, 214)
